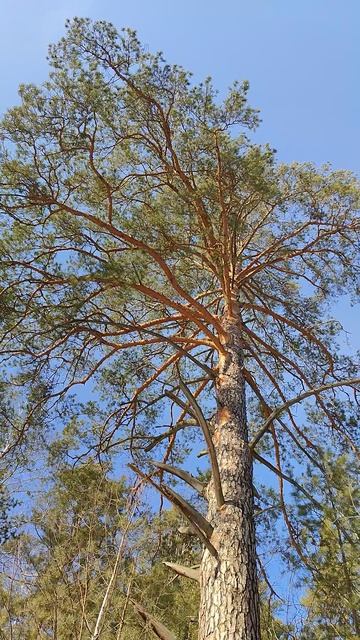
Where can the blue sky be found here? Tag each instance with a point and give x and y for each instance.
(300, 56)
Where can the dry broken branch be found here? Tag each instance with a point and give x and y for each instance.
(187, 572)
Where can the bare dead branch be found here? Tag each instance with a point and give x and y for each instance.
(159, 630)
(183, 475)
(187, 572)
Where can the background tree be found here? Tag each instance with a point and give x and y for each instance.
(331, 539)
(61, 562)
(152, 253)
(56, 572)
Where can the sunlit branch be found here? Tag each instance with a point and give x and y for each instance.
(289, 479)
(124, 237)
(208, 439)
(276, 412)
(267, 412)
(187, 572)
(183, 475)
(200, 525)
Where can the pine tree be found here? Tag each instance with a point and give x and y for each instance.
(332, 540)
(57, 570)
(154, 254)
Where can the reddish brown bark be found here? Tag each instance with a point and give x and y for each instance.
(229, 607)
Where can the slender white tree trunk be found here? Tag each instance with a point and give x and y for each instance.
(229, 608)
(110, 586)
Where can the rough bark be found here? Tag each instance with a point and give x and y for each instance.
(229, 608)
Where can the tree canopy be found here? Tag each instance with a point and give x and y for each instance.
(142, 230)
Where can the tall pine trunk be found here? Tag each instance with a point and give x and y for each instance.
(229, 608)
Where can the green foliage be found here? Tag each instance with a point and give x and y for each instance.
(135, 212)
(58, 569)
(331, 541)
(143, 192)
(7, 503)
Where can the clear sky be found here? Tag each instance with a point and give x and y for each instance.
(302, 58)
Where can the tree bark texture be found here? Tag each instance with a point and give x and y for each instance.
(229, 608)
